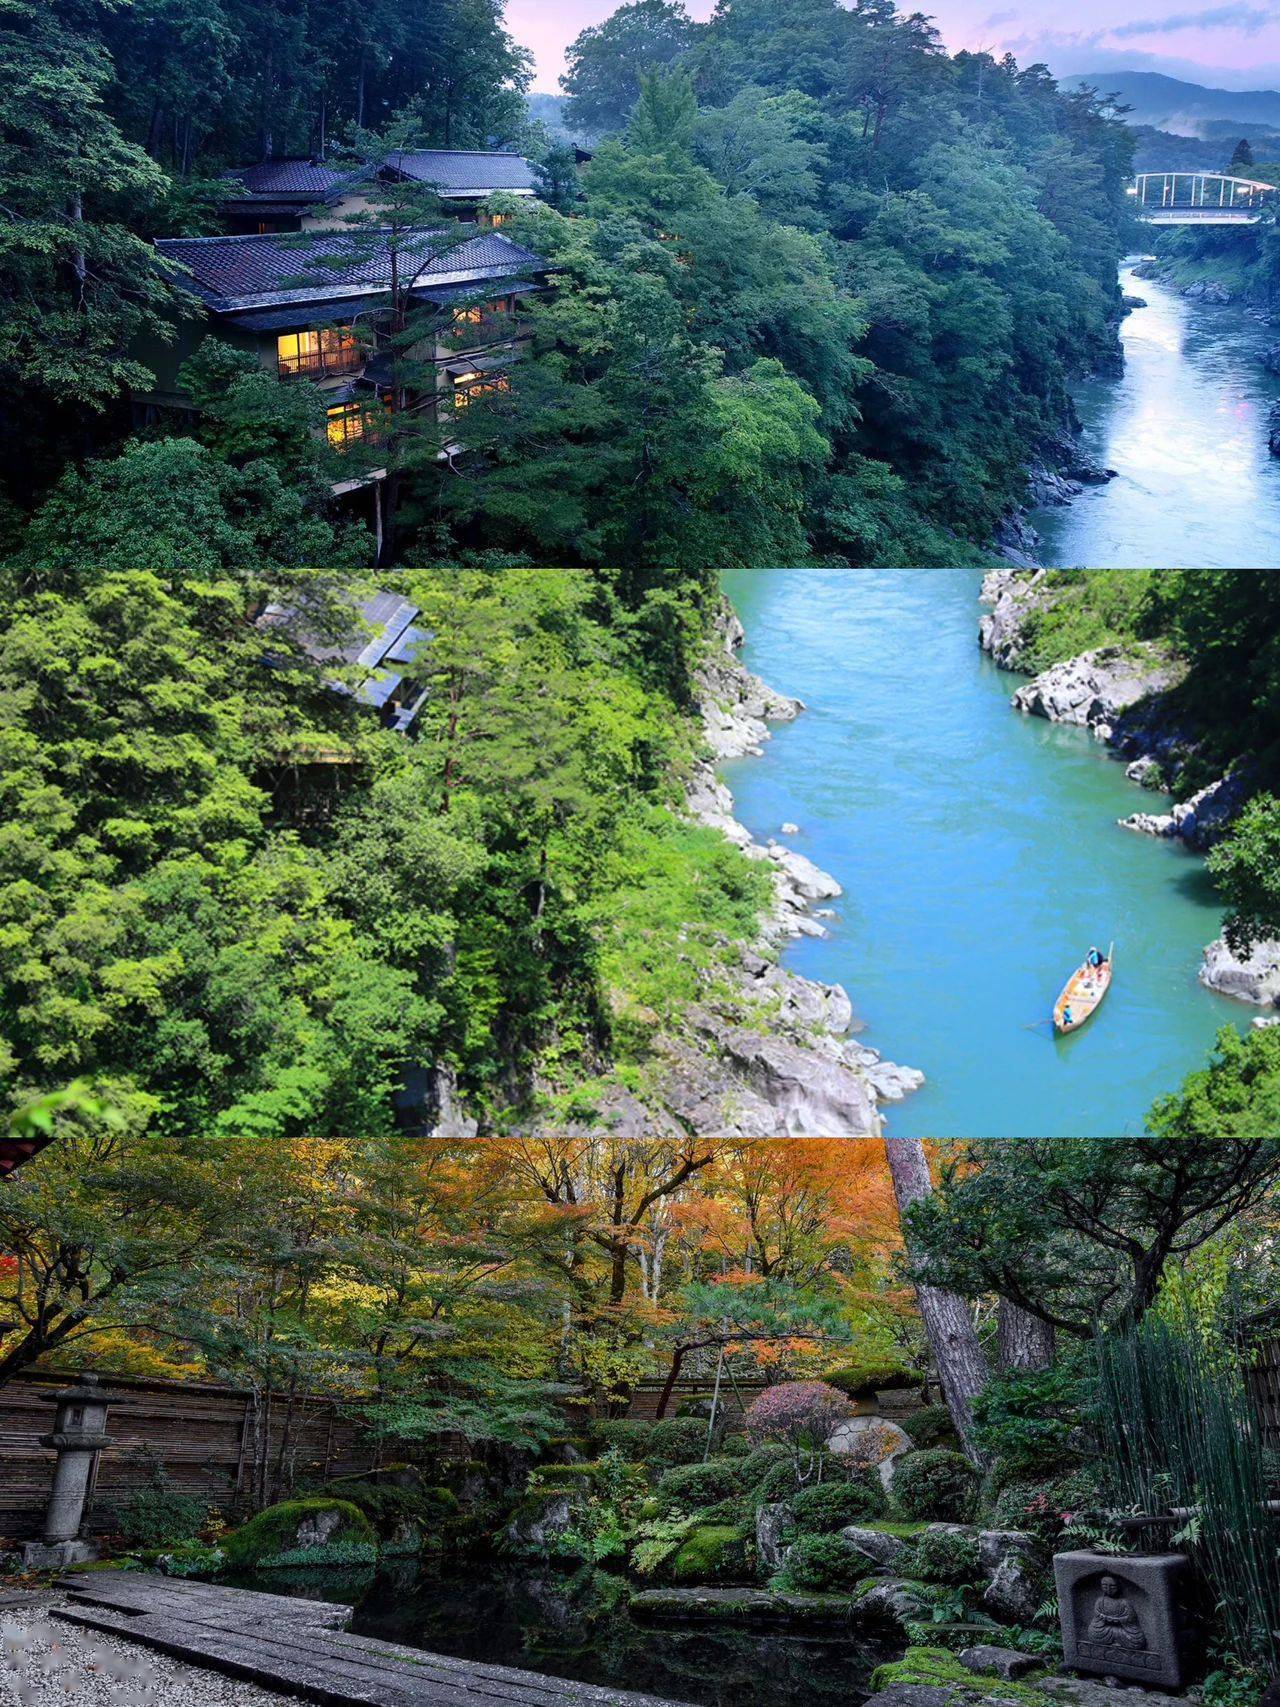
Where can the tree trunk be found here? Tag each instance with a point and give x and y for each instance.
(1025, 1341)
(953, 1339)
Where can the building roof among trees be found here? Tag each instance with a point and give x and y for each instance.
(455, 172)
(307, 178)
(255, 271)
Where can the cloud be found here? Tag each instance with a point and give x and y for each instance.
(1249, 19)
(993, 19)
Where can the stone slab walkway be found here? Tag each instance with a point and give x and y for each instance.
(302, 1648)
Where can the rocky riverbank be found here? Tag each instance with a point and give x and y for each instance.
(1124, 695)
(763, 1053)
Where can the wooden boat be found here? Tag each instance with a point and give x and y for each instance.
(1083, 995)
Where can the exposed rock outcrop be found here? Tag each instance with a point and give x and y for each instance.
(1252, 977)
(1094, 689)
(1014, 597)
(1202, 820)
(881, 1550)
(773, 1523)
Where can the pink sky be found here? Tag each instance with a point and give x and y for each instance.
(1232, 44)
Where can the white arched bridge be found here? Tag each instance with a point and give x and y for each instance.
(1202, 198)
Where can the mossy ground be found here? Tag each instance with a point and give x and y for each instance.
(937, 1668)
(268, 1541)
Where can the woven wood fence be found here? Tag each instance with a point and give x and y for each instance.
(207, 1440)
(1264, 1377)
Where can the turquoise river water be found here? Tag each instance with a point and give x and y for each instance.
(980, 857)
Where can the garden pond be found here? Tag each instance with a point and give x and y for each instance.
(576, 1624)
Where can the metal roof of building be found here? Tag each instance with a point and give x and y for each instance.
(260, 271)
(460, 172)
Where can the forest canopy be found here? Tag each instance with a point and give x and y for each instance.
(820, 291)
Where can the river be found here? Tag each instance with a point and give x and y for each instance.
(1185, 428)
(980, 857)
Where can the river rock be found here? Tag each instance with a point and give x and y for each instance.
(1128, 300)
(1202, 820)
(1007, 1663)
(789, 830)
(1265, 1023)
(1045, 487)
(1095, 688)
(773, 1522)
(1252, 977)
(1017, 541)
(737, 707)
(1270, 358)
(1208, 290)
(1146, 771)
(803, 877)
(881, 1550)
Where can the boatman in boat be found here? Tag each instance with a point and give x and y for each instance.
(1097, 959)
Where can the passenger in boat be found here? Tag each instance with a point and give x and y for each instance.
(1066, 1017)
(1097, 959)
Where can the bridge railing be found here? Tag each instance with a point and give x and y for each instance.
(1219, 192)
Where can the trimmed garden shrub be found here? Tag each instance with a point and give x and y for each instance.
(937, 1486)
(761, 1459)
(628, 1435)
(931, 1426)
(821, 1564)
(940, 1556)
(864, 1380)
(735, 1446)
(692, 1485)
(832, 1505)
(713, 1552)
(675, 1440)
(303, 1532)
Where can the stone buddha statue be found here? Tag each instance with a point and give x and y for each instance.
(1114, 1623)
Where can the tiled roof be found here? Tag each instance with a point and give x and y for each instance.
(455, 173)
(286, 178)
(230, 273)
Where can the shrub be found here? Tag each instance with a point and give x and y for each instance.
(714, 1552)
(937, 1485)
(779, 1482)
(940, 1556)
(821, 1564)
(761, 1459)
(800, 1414)
(676, 1440)
(931, 1426)
(1026, 1418)
(832, 1505)
(692, 1485)
(864, 1380)
(1048, 1505)
(191, 1559)
(735, 1446)
(158, 1517)
(277, 1537)
(389, 1507)
(628, 1435)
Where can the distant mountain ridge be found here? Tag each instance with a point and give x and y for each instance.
(1186, 109)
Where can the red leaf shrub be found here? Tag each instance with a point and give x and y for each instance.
(802, 1414)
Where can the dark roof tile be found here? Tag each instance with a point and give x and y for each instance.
(229, 273)
(453, 172)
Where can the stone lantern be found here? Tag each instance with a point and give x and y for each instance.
(79, 1435)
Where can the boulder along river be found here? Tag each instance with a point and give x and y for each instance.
(1185, 428)
(980, 856)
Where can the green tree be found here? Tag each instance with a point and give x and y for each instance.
(1080, 1233)
(1247, 868)
(77, 284)
(608, 62)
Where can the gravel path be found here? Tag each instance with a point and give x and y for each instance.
(45, 1663)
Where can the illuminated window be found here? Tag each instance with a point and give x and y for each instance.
(332, 349)
(347, 423)
(468, 316)
(467, 387)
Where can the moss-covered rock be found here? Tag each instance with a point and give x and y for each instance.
(303, 1532)
(713, 1553)
(936, 1668)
